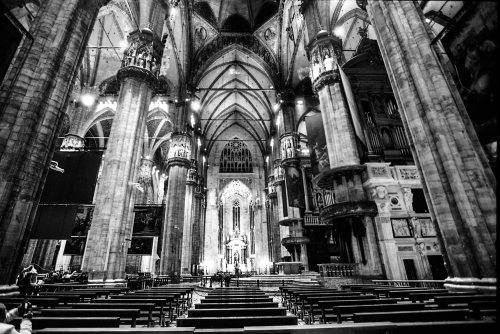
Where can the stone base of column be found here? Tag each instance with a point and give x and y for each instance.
(482, 285)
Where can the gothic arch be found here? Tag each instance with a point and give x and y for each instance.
(217, 48)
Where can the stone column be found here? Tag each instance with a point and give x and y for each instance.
(274, 219)
(344, 177)
(303, 256)
(173, 228)
(197, 244)
(106, 250)
(279, 184)
(459, 184)
(33, 100)
(187, 241)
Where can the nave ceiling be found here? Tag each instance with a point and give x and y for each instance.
(235, 85)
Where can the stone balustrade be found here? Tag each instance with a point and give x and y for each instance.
(338, 269)
(313, 221)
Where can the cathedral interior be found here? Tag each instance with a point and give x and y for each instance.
(190, 137)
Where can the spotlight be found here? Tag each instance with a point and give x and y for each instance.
(339, 31)
(195, 105)
(300, 102)
(87, 100)
(276, 107)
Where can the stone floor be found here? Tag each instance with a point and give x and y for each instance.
(271, 291)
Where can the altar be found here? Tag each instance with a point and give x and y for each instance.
(236, 255)
(288, 268)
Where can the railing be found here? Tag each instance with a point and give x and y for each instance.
(433, 284)
(338, 269)
(312, 221)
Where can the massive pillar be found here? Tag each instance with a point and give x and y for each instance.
(33, 99)
(351, 211)
(106, 251)
(178, 163)
(187, 241)
(459, 185)
(290, 163)
(197, 237)
(273, 225)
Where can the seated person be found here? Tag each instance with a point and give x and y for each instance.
(23, 310)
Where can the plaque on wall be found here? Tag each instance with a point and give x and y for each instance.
(400, 228)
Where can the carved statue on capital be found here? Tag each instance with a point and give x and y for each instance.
(417, 228)
(180, 147)
(408, 199)
(381, 192)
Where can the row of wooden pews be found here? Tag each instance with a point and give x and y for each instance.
(231, 309)
(104, 307)
(364, 303)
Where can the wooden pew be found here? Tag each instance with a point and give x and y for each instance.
(413, 316)
(70, 322)
(102, 292)
(81, 295)
(287, 292)
(183, 330)
(406, 293)
(301, 297)
(185, 295)
(34, 300)
(445, 327)
(481, 308)
(236, 312)
(313, 301)
(236, 322)
(421, 297)
(346, 312)
(133, 314)
(235, 305)
(344, 328)
(251, 296)
(445, 301)
(383, 289)
(171, 298)
(326, 305)
(159, 302)
(147, 307)
(236, 300)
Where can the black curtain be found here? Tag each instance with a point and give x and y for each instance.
(77, 184)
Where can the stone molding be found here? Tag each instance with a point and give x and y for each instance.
(290, 161)
(326, 78)
(325, 180)
(183, 162)
(287, 221)
(347, 209)
(137, 74)
(294, 241)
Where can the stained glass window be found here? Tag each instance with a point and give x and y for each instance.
(235, 158)
(236, 215)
